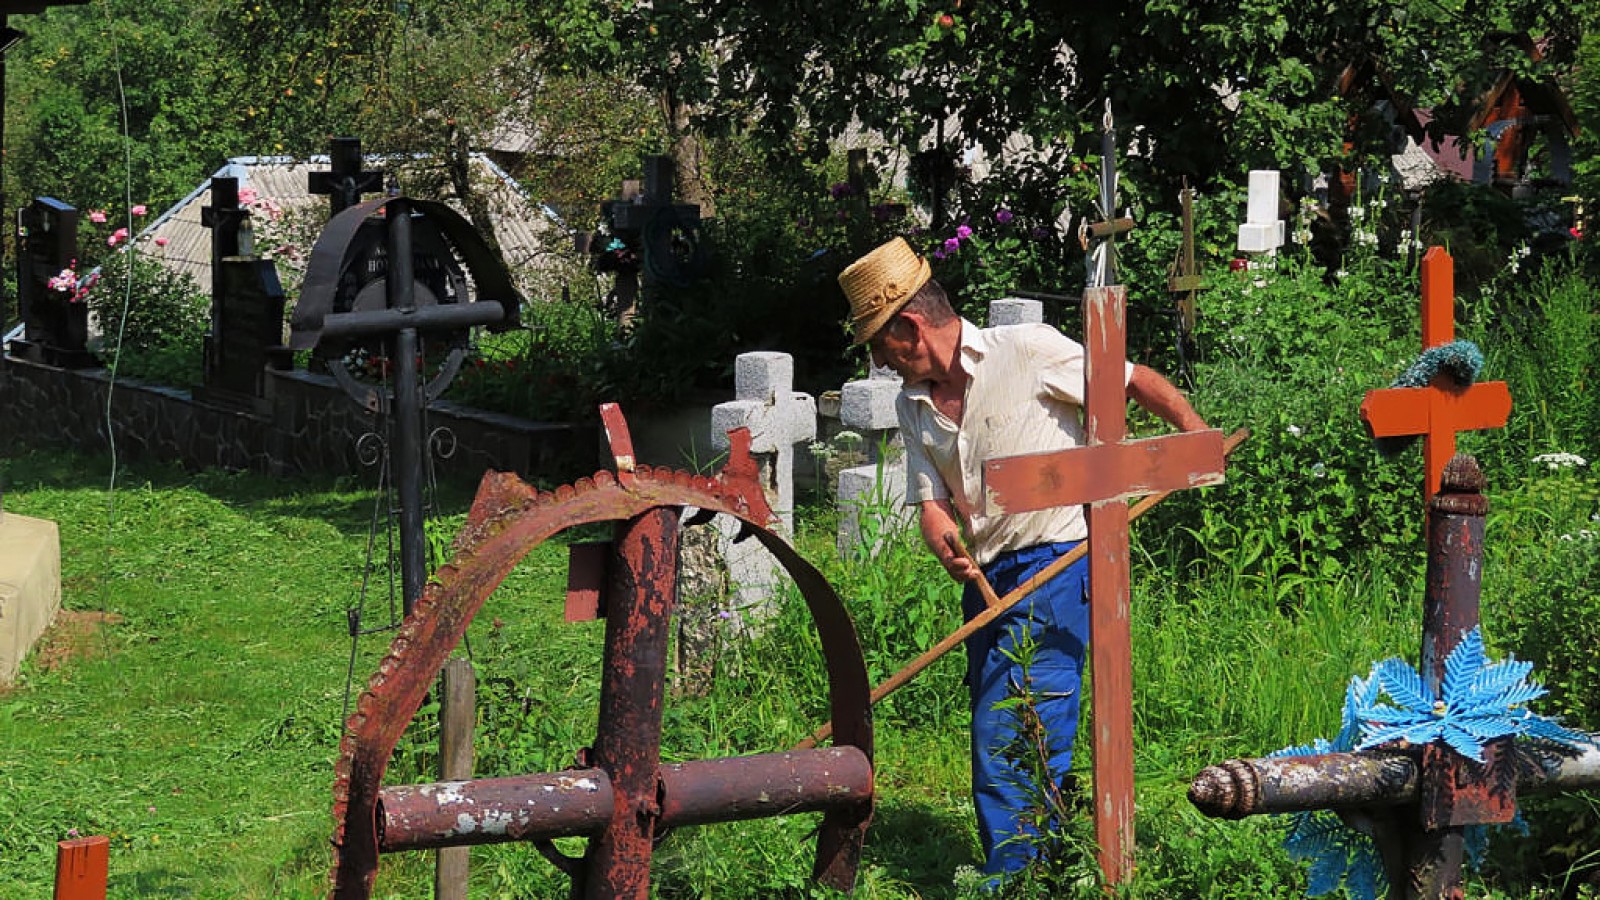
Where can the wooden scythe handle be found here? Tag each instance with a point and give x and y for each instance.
(1017, 595)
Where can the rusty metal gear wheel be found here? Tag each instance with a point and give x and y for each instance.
(509, 519)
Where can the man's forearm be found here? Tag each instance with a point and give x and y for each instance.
(1158, 395)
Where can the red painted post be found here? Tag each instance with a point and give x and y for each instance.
(628, 744)
(1440, 410)
(1103, 474)
(82, 868)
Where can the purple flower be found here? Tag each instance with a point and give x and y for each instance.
(1003, 216)
(963, 232)
(951, 245)
(938, 254)
(842, 190)
(1039, 233)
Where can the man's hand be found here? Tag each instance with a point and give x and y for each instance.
(938, 520)
(958, 562)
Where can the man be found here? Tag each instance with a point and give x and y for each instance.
(972, 395)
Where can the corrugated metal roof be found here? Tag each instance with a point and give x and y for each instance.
(178, 240)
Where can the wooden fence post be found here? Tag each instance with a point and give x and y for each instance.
(458, 715)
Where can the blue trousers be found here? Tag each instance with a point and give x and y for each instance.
(1057, 617)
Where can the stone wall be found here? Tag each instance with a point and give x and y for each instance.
(304, 425)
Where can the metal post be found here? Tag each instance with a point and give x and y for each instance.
(628, 743)
(401, 287)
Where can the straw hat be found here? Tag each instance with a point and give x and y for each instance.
(881, 282)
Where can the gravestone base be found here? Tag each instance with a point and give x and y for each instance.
(861, 494)
(30, 586)
(49, 355)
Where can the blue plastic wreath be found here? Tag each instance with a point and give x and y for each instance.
(1480, 701)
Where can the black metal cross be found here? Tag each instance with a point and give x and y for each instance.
(346, 181)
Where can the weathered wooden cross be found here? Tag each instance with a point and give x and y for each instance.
(1442, 408)
(1104, 473)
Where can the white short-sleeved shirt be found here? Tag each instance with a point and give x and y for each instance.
(1024, 395)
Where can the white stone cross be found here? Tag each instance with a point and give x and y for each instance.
(778, 418)
(1015, 311)
(1262, 231)
(867, 406)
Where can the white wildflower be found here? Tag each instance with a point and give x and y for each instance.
(1561, 460)
(847, 437)
(1293, 430)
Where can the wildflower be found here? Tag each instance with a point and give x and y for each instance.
(1556, 461)
(841, 190)
(139, 209)
(97, 216)
(939, 253)
(1576, 234)
(951, 245)
(72, 832)
(1293, 430)
(1003, 216)
(848, 437)
(161, 242)
(1039, 233)
(248, 195)
(117, 237)
(963, 232)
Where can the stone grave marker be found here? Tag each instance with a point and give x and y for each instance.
(778, 418)
(55, 319)
(868, 408)
(247, 305)
(30, 586)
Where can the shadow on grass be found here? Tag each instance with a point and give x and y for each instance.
(921, 846)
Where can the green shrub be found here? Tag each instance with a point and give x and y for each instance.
(153, 321)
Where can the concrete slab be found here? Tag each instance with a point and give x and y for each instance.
(30, 586)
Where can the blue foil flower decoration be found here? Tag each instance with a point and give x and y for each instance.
(1480, 701)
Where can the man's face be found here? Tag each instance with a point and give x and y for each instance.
(899, 345)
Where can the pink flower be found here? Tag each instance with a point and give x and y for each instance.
(247, 196)
(97, 216)
(117, 237)
(951, 245)
(1576, 234)
(139, 210)
(161, 242)
(1003, 216)
(65, 281)
(963, 232)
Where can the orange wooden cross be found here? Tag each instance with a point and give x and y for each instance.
(1103, 474)
(1442, 408)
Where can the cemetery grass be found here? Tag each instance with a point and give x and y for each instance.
(199, 726)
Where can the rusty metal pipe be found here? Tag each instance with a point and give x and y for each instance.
(770, 784)
(493, 810)
(1286, 784)
(581, 801)
(1280, 784)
